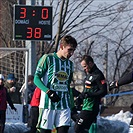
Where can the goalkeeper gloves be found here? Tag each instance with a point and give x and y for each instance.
(53, 96)
(113, 85)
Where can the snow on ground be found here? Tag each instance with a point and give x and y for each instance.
(117, 123)
(15, 128)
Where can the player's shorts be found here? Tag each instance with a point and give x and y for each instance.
(48, 119)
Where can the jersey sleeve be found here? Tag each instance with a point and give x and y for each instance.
(39, 73)
(127, 78)
(101, 82)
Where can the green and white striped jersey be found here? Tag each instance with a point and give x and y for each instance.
(55, 74)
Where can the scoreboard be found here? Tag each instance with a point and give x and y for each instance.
(32, 22)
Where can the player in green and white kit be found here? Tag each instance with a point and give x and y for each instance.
(53, 76)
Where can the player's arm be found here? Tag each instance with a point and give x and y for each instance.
(126, 79)
(101, 83)
(39, 73)
(41, 70)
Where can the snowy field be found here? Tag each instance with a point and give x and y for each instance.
(117, 123)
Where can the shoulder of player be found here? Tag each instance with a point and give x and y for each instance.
(98, 73)
(45, 56)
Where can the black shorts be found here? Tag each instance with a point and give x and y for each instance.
(86, 118)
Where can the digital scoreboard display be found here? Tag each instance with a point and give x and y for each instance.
(32, 22)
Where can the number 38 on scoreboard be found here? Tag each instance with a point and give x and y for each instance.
(32, 22)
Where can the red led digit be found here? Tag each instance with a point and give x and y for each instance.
(29, 32)
(37, 33)
(23, 13)
(44, 13)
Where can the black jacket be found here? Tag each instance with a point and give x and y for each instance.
(126, 79)
(95, 88)
(97, 83)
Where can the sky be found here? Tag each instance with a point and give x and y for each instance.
(116, 123)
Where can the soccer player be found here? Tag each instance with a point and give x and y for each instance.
(53, 76)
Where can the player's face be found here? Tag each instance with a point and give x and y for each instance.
(85, 66)
(68, 51)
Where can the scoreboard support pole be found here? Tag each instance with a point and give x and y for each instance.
(31, 68)
(32, 51)
(32, 57)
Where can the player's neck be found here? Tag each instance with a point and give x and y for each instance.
(59, 54)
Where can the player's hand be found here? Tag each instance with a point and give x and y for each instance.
(88, 94)
(53, 96)
(79, 100)
(113, 85)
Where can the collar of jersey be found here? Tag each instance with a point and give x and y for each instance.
(58, 57)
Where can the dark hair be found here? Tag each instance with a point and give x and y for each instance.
(87, 59)
(69, 40)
